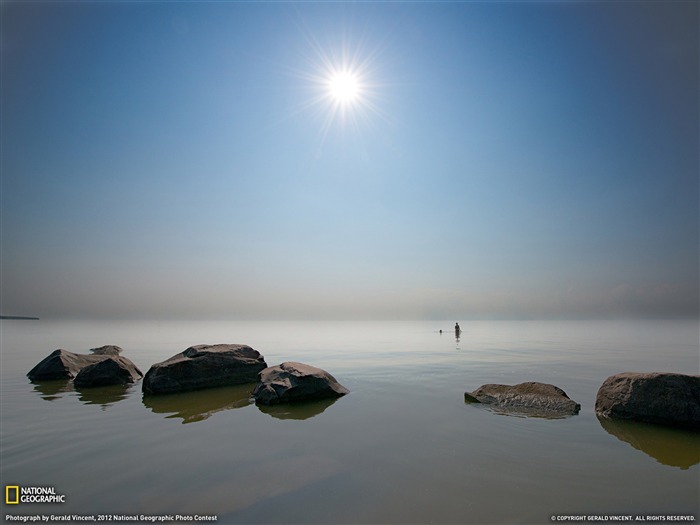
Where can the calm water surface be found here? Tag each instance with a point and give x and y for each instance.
(403, 447)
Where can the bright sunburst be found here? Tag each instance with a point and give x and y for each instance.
(344, 87)
(343, 84)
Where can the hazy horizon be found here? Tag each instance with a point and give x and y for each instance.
(362, 161)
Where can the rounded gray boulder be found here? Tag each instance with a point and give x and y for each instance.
(662, 398)
(292, 382)
(204, 366)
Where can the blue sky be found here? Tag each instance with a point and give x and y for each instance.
(504, 160)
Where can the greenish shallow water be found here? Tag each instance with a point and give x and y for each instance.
(403, 447)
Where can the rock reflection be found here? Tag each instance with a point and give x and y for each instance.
(103, 395)
(670, 446)
(521, 412)
(199, 405)
(299, 411)
(53, 389)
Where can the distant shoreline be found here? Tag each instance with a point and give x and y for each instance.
(19, 317)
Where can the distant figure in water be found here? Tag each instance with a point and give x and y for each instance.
(457, 329)
(440, 330)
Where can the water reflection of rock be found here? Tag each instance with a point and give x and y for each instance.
(199, 405)
(303, 410)
(670, 446)
(103, 395)
(524, 413)
(53, 389)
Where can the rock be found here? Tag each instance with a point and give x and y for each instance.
(107, 350)
(291, 382)
(62, 364)
(532, 399)
(662, 398)
(204, 366)
(114, 370)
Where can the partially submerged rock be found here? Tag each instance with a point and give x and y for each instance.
(662, 398)
(291, 382)
(204, 366)
(114, 370)
(62, 364)
(532, 399)
(107, 350)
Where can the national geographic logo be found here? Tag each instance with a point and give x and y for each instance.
(14, 495)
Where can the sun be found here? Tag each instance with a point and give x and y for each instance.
(344, 87)
(344, 84)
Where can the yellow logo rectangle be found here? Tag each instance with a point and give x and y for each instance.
(8, 491)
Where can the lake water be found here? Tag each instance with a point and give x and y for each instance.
(402, 447)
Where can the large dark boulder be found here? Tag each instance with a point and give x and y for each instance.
(532, 399)
(114, 370)
(291, 382)
(62, 364)
(204, 366)
(662, 398)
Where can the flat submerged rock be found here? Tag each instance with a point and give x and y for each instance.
(530, 399)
